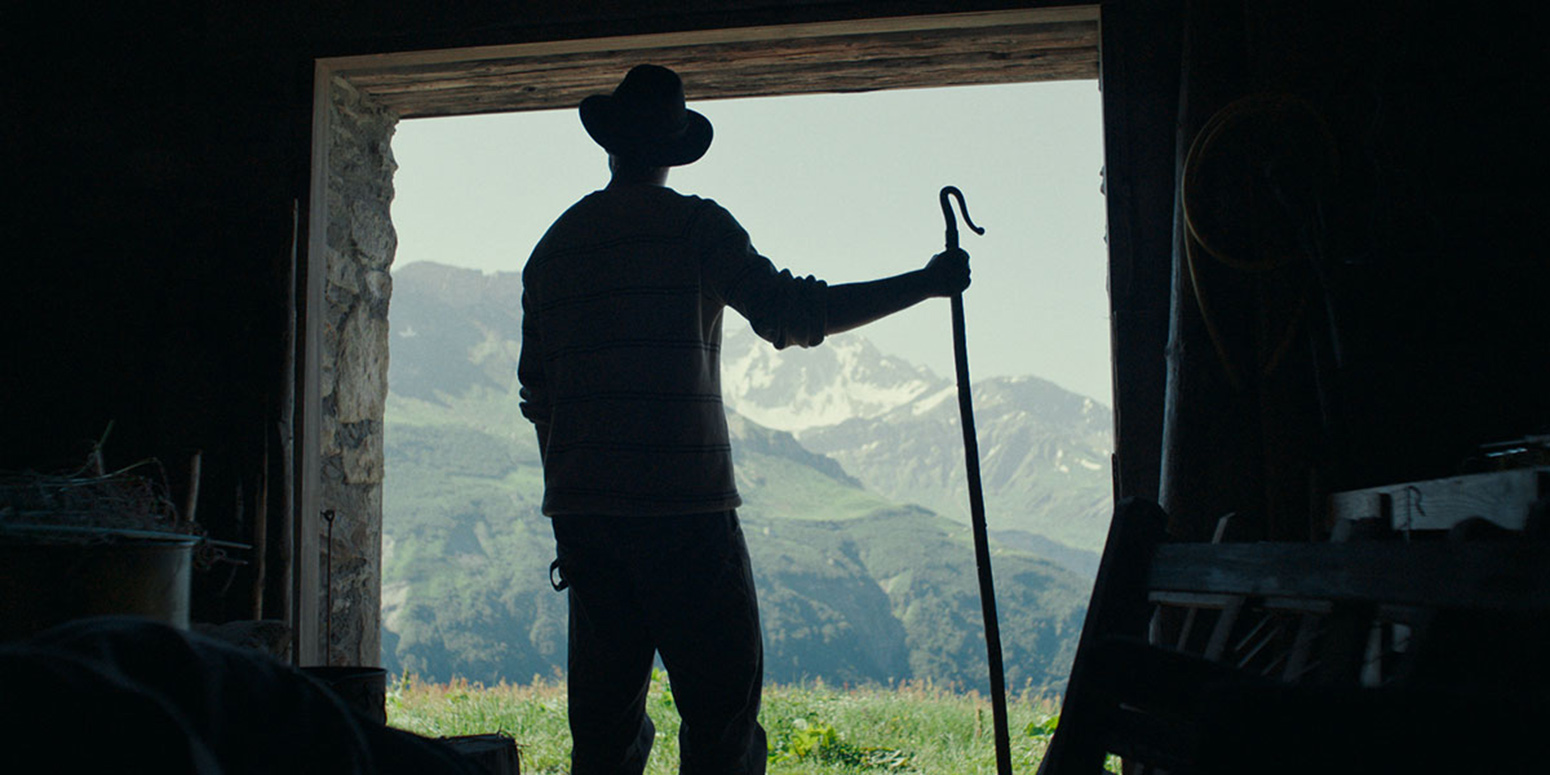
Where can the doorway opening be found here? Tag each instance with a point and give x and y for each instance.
(360, 101)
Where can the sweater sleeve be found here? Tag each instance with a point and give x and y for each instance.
(782, 308)
(534, 393)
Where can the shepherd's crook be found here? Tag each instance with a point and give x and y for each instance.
(971, 454)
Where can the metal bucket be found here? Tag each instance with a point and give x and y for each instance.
(51, 575)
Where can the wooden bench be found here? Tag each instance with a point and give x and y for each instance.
(1362, 656)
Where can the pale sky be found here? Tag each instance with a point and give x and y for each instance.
(844, 187)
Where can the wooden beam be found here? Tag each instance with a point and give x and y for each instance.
(1493, 575)
(946, 50)
(1503, 497)
(306, 577)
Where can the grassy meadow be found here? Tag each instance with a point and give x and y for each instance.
(813, 729)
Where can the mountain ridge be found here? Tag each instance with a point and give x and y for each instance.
(854, 586)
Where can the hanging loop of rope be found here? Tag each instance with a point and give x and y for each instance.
(1295, 120)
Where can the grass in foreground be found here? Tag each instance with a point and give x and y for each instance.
(813, 729)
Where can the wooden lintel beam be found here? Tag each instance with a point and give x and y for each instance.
(842, 63)
(451, 102)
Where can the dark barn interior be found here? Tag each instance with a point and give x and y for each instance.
(1326, 261)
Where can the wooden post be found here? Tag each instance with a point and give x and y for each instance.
(1119, 608)
(191, 503)
(261, 533)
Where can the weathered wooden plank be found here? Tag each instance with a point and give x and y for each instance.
(840, 63)
(698, 67)
(1502, 497)
(776, 51)
(1087, 13)
(1495, 575)
(480, 100)
(448, 102)
(789, 77)
(1192, 599)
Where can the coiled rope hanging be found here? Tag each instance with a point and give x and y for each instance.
(1294, 116)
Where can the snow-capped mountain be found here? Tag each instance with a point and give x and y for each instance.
(799, 388)
(1044, 457)
(1044, 451)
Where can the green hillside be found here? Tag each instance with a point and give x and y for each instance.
(852, 588)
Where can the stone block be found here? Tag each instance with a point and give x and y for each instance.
(362, 453)
(336, 231)
(328, 433)
(357, 518)
(377, 289)
(331, 477)
(344, 272)
(326, 379)
(371, 230)
(361, 378)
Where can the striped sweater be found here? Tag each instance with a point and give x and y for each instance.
(621, 342)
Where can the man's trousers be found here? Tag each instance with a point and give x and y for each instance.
(678, 586)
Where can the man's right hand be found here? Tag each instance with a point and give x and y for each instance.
(949, 271)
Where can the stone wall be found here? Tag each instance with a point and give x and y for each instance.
(354, 364)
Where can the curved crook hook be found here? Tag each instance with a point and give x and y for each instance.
(952, 223)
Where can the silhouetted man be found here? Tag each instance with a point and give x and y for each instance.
(621, 374)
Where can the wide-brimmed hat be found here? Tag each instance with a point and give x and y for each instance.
(645, 119)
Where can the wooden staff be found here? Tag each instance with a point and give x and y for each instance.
(971, 454)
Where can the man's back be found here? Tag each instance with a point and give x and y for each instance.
(624, 296)
(630, 379)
